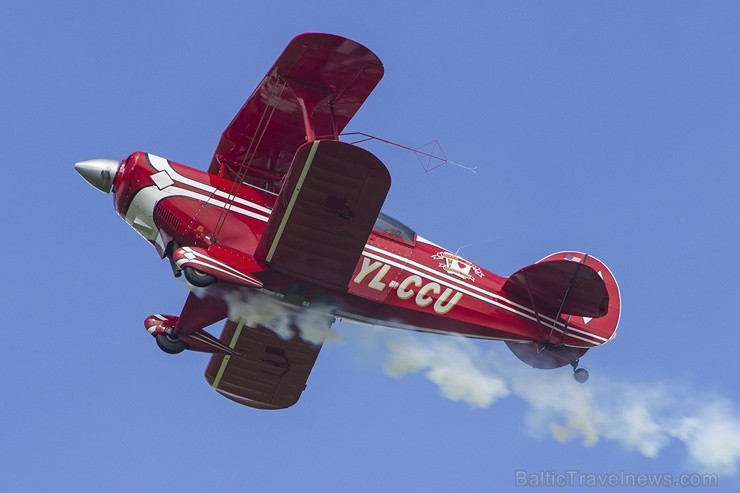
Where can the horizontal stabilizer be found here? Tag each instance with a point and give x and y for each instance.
(566, 286)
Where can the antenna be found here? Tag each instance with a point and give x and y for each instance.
(472, 244)
(430, 155)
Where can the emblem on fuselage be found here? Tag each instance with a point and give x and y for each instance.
(457, 266)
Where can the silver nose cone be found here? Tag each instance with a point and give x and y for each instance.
(98, 173)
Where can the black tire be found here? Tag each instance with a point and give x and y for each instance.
(170, 344)
(198, 278)
(580, 374)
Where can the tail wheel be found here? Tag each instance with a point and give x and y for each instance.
(170, 344)
(580, 374)
(198, 278)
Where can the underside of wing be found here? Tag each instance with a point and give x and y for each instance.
(268, 371)
(312, 91)
(325, 213)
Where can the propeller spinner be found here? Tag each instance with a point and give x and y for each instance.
(99, 173)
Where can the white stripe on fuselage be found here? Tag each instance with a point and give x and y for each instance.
(162, 164)
(462, 286)
(489, 298)
(231, 201)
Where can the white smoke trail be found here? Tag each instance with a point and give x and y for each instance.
(451, 367)
(256, 308)
(644, 417)
(641, 417)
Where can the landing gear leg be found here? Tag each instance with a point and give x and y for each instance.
(171, 247)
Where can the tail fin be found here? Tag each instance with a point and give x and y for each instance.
(577, 290)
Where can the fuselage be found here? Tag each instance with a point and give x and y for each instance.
(401, 279)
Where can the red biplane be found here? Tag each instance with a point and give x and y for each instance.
(289, 213)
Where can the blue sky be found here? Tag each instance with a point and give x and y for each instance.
(610, 128)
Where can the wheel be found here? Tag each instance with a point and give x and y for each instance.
(580, 374)
(198, 278)
(170, 344)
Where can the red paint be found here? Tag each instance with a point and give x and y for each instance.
(293, 219)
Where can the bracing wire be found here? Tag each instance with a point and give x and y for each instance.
(434, 159)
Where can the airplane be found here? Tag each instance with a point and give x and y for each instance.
(287, 223)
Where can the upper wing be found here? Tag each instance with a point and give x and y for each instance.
(314, 88)
(324, 213)
(270, 372)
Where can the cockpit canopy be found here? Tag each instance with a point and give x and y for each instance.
(393, 227)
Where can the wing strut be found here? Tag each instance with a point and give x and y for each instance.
(246, 164)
